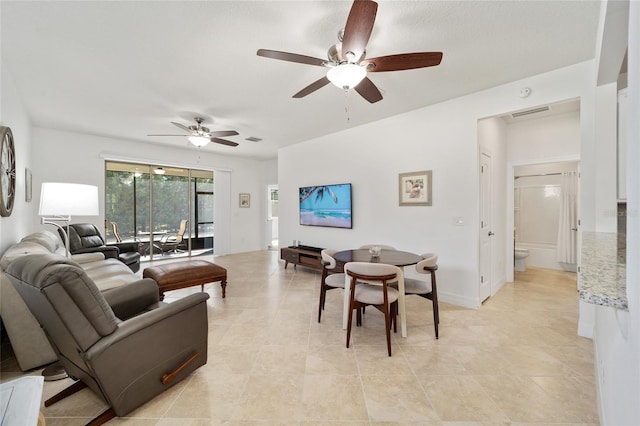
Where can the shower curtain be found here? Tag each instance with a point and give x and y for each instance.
(568, 224)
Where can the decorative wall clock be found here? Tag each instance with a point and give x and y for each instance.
(7, 171)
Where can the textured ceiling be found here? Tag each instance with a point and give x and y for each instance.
(126, 69)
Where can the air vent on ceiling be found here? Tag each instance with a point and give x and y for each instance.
(529, 111)
(253, 139)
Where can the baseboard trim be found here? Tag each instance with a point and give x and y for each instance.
(456, 299)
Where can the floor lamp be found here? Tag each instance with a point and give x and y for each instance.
(58, 202)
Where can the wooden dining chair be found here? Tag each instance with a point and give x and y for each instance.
(426, 289)
(330, 279)
(381, 247)
(375, 292)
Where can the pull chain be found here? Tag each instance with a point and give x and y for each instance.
(346, 105)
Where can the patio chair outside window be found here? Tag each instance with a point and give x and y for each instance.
(169, 243)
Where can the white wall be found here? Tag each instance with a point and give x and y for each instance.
(544, 139)
(73, 157)
(622, 142)
(442, 138)
(606, 153)
(616, 333)
(12, 115)
(537, 209)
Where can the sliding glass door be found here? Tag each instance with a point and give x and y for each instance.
(169, 210)
(170, 200)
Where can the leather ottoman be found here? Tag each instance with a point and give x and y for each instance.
(174, 276)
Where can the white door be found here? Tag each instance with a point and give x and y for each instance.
(485, 227)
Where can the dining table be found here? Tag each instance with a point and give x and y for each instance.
(151, 234)
(389, 257)
(145, 238)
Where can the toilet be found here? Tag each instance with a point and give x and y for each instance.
(520, 255)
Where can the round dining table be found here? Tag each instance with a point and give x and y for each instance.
(389, 257)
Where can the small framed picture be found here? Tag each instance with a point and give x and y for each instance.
(27, 185)
(415, 188)
(245, 200)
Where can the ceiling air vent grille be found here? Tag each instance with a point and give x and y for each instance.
(253, 139)
(529, 112)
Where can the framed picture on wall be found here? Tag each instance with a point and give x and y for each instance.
(415, 188)
(245, 200)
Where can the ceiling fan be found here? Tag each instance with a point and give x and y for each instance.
(347, 65)
(200, 136)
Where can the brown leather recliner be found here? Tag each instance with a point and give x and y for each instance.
(86, 238)
(125, 345)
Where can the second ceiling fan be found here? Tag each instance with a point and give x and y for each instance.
(347, 65)
(200, 136)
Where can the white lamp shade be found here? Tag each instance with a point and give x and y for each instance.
(199, 140)
(68, 199)
(346, 76)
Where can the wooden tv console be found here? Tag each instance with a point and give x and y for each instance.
(306, 256)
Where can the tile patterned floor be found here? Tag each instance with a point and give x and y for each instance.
(517, 360)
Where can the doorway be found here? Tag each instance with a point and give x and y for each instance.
(541, 134)
(545, 214)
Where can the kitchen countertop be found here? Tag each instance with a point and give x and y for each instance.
(603, 270)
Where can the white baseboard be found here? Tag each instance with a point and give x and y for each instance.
(585, 329)
(456, 299)
(586, 319)
(599, 384)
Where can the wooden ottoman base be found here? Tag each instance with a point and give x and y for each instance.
(174, 276)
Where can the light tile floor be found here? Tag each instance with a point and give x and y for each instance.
(516, 360)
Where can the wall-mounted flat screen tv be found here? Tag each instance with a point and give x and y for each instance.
(328, 205)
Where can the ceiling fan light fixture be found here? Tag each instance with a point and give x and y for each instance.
(346, 76)
(199, 141)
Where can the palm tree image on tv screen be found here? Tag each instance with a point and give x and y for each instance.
(328, 205)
